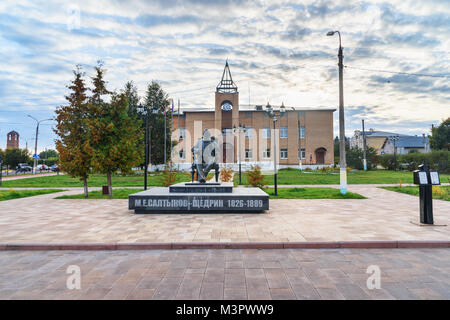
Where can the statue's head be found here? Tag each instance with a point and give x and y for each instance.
(206, 135)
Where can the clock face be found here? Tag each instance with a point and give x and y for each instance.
(226, 106)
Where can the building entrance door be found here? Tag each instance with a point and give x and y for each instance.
(320, 155)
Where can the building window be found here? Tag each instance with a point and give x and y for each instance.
(301, 132)
(248, 114)
(181, 154)
(266, 153)
(283, 132)
(248, 154)
(266, 132)
(249, 133)
(283, 153)
(302, 154)
(182, 133)
(227, 131)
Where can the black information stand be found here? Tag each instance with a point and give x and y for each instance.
(426, 179)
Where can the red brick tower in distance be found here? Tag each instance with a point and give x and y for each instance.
(12, 140)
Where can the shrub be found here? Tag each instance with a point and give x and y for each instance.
(387, 161)
(168, 176)
(354, 157)
(255, 177)
(226, 173)
(436, 160)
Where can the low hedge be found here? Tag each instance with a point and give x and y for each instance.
(436, 160)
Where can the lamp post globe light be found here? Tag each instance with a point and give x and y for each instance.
(394, 139)
(273, 114)
(240, 128)
(342, 161)
(38, 122)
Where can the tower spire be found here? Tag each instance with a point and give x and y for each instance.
(226, 85)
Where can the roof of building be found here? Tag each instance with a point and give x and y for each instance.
(411, 142)
(403, 141)
(226, 84)
(253, 109)
(382, 134)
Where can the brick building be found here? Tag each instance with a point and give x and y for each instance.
(299, 131)
(12, 140)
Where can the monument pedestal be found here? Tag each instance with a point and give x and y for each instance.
(199, 198)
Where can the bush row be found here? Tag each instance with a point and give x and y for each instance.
(436, 160)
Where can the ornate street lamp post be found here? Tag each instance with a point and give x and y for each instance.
(240, 129)
(145, 112)
(273, 114)
(394, 139)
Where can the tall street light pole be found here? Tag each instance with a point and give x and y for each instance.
(38, 122)
(240, 129)
(272, 114)
(364, 147)
(143, 110)
(394, 139)
(342, 162)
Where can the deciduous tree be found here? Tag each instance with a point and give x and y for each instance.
(440, 136)
(114, 135)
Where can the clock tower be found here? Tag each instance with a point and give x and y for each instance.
(227, 102)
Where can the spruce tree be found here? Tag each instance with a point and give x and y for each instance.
(73, 145)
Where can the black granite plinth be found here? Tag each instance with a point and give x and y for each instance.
(194, 187)
(160, 200)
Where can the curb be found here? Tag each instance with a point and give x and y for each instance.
(225, 245)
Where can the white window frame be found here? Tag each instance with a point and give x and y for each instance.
(282, 152)
(266, 132)
(283, 132)
(182, 152)
(266, 153)
(302, 132)
(248, 133)
(248, 154)
(182, 133)
(302, 153)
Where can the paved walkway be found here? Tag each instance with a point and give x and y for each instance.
(227, 274)
(385, 215)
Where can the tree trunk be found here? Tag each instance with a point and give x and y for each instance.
(108, 175)
(85, 185)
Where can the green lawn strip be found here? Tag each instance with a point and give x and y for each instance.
(95, 180)
(16, 194)
(294, 176)
(443, 195)
(311, 193)
(117, 194)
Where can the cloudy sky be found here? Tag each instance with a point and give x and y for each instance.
(277, 50)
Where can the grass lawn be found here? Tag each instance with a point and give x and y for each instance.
(311, 193)
(294, 176)
(117, 194)
(439, 192)
(16, 194)
(95, 180)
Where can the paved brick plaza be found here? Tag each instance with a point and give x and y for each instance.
(227, 274)
(385, 215)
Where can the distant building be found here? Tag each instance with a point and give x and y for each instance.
(383, 143)
(12, 140)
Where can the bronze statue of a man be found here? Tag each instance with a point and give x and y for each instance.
(205, 157)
